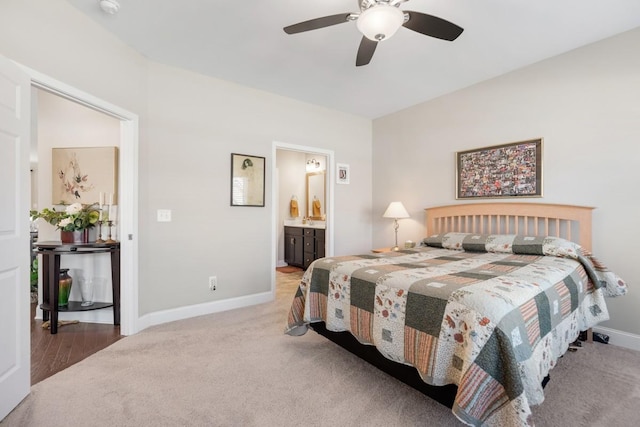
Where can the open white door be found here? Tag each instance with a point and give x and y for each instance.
(15, 369)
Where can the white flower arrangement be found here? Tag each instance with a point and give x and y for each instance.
(75, 217)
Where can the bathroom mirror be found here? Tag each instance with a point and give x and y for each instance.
(316, 196)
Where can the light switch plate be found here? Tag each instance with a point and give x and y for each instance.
(164, 215)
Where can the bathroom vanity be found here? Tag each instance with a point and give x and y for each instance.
(303, 245)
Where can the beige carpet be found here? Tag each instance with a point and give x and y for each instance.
(238, 369)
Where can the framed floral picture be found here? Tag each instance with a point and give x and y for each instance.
(247, 180)
(507, 170)
(80, 174)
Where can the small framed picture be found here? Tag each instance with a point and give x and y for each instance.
(247, 180)
(342, 173)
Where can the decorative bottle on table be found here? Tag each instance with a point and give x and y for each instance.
(64, 288)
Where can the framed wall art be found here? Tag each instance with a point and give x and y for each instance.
(507, 170)
(247, 180)
(342, 173)
(81, 174)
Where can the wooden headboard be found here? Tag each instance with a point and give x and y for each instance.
(532, 219)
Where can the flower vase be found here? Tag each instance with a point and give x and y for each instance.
(81, 236)
(64, 287)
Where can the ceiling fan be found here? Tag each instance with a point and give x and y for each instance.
(378, 20)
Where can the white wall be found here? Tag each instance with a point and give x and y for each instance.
(56, 39)
(585, 106)
(189, 125)
(195, 123)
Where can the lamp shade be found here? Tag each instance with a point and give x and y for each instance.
(380, 22)
(396, 210)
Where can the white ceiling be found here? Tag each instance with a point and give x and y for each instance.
(243, 41)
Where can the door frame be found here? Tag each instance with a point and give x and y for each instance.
(329, 188)
(127, 194)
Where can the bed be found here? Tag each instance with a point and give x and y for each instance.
(475, 316)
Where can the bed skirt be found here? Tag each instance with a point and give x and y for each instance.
(405, 373)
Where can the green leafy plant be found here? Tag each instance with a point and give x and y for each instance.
(34, 275)
(75, 217)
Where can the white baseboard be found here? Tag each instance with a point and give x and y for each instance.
(281, 263)
(160, 317)
(103, 315)
(620, 338)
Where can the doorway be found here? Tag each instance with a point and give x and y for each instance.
(58, 123)
(309, 160)
(128, 188)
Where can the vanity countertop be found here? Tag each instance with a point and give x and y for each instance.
(298, 223)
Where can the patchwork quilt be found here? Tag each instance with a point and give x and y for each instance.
(488, 313)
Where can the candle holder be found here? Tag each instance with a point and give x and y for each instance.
(100, 239)
(109, 239)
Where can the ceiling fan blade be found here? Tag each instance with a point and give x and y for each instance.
(433, 26)
(314, 24)
(365, 51)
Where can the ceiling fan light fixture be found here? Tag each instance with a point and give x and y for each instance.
(380, 22)
(110, 6)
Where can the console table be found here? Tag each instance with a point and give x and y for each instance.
(51, 252)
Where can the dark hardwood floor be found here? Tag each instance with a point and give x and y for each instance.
(53, 353)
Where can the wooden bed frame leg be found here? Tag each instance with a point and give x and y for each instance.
(590, 335)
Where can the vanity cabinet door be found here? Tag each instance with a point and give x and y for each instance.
(320, 253)
(293, 246)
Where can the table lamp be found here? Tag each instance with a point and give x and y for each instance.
(396, 211)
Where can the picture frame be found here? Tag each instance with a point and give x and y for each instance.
(507, 170)
(80, 174)
(247, 180)
(342, 173)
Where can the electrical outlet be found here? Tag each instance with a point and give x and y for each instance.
(213, 282)
(164, 215)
